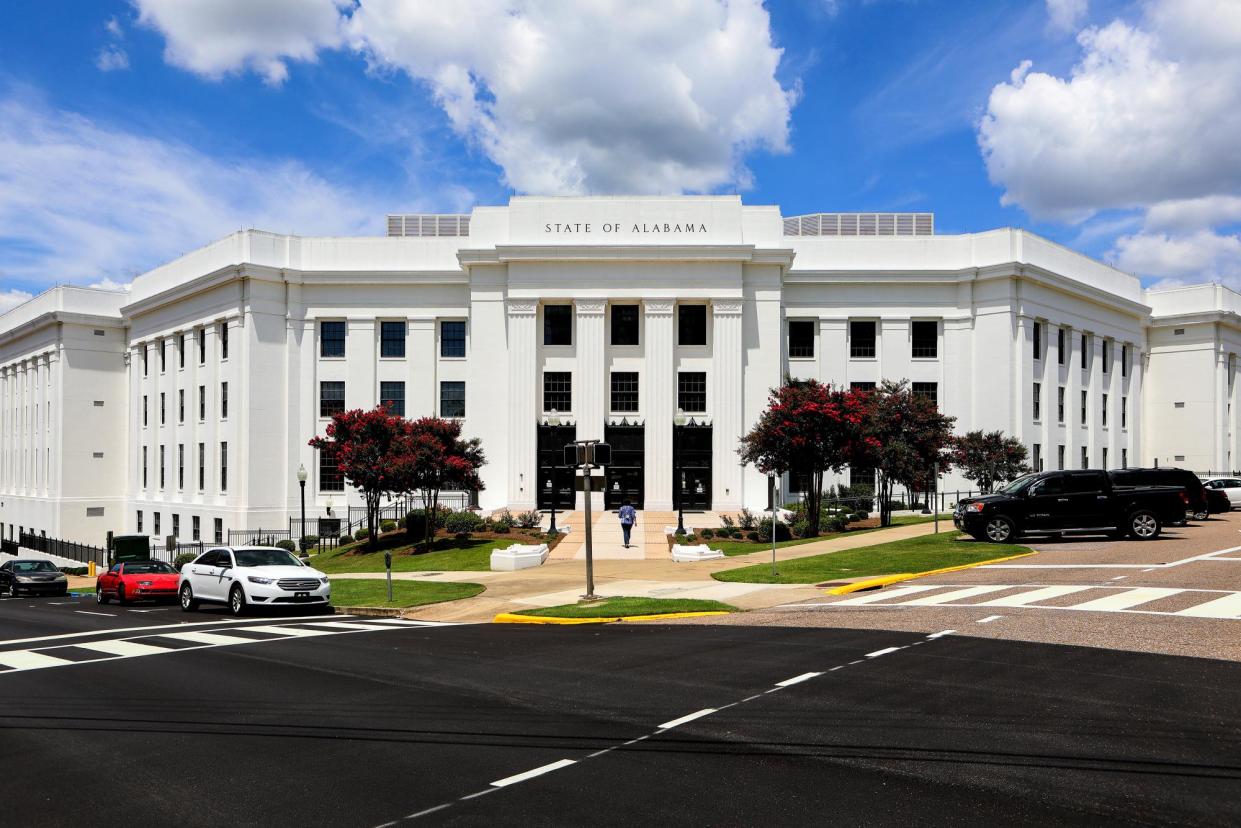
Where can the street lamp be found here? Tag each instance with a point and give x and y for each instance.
(301, 481)
(678, 474)
(553, 420)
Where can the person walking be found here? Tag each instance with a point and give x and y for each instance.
(628, 518)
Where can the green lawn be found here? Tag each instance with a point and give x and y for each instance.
(447, 554)
(911, 555)
(612, 607)
(732, 548)
(374, 593)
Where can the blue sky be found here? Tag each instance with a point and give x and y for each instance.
(133, 130)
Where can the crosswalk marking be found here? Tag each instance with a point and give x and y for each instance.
(26, 660)
(208, 637)
(122, 648)
(1044, 594)
(292, 632)
(1129, 598)
(344, 625)
(1227, 607)
(954, 595)
(879, 595)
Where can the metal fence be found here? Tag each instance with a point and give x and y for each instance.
(398, 509)
(65, 549)
(257, 537)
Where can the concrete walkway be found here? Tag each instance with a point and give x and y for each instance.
(564, 581)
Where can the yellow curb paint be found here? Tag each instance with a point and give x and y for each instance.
(872, 583)
(514, 618)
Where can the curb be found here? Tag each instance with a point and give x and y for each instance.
(876, 583)
(374, 612)
(513, 618)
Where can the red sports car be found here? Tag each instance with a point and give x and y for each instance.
(137, 581)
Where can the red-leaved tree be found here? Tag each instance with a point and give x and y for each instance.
(989, 457)
(440, 458)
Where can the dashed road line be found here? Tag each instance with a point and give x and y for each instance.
(989, 619)
(706, 711)
(530, 774)
(882, 652)
(89, 612)
(797, 679)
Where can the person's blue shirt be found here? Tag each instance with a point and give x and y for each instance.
(628, 515)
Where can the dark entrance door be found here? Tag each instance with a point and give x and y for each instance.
(691, 482)
(624, 479)
(555, 483)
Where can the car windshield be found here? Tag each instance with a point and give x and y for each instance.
(34, 566)
(1019, 485)
(265, 557)
(149, 568)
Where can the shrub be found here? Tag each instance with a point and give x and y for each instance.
(747, 520)
(835, 525)
(551, 536)
(754, 536)
(801, 529)
(287, 545)
(362, 534)
(896, 505)
(706, 533)
(737, 534)
(691, 538)
(782, 530)
(503, 520)
(727, 522)
(501, 528)
(862, 514)
(346, 538)
(182, 559)
(416, 524)
(81, 570)
(528, 520)
(458, 523)
(309, 542)
(387, 525)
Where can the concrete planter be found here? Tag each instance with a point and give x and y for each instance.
(689, 554)
(518, 556)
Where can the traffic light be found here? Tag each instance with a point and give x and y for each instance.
(602, 454)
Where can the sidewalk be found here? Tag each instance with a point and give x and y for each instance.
(564, 581)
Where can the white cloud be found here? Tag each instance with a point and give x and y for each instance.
(567, 96)
(112, 58)
(87, 202)
(11, 298)
(114, 28)
(1192, 213)
(109, 284)
(1198, 257)
(1066, 15)
(216, 37)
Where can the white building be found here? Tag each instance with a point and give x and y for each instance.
(184, 406)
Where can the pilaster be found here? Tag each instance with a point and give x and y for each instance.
(727, 403)
(522, 315)
(659, 386)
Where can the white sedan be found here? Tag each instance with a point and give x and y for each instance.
(245, 576)
(1231, 486)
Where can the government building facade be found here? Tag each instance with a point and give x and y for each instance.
(184, 405)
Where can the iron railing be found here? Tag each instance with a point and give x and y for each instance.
(81, 552)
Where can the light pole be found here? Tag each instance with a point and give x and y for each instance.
(301, 482)
(678, 474)
(773, 479)
(553, 421)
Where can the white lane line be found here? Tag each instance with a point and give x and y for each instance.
(209, 638)
(954, 595)
(152, 628)
(837, 667)
(1120, 577)
(292, 632)
(429, 811)
(123, 648)
(1024, 598)
(530, 774)
(1227, 607)
(88, 612)
(26, 660)
(345, 625)
(883, 595)
(941, 633)
(1152, 569)
(706, 711)
(796, 679)
(882, 652)
(989, 619)
(1128, 598)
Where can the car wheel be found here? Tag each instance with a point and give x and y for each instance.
(100, 598)
(999, 529)
(1144, 525)
(1200, 515)
(188, 602)
(237, 601)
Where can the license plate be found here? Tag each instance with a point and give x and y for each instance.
(301, 595)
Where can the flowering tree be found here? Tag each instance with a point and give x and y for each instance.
(372, 451)
(989, 457)
(903, 436)
(807, 425)
(439, 458)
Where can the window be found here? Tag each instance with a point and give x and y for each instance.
(392, 397)
(161, 466)
(624, 324)
(691, 324)
(139, 522)
(801, 339)
(1124, 458)
(1103, 413)
(1124, 412)
(202, 403)
(1038, 340)
(624, 391)
(1037, 457)
(861, 476)
(331, 398)
(180, 466)
(224, 401)
(224, 467)
(861, 340)
(862, 386)
(180, 350)
(557, 324)
(1083, 407)
(196, 530)
(223, 332)
(392, 339)
(930, 390)
(1105, 457)
(1060, 458)
(218, 526)
(924, 335)
(202, 466)
(1038, 401)
(176, 526)
(200, 336)
(557, 391)
(330, 477)
(1060, 345)
(1085, 458)
(144, 467)
(1124, 360)
(144, 410)
(1060, 404)
(163, 355)
(1104, 366)
(145, 365)
(692, 391)
(155, 523)
(181, 405)
(452, 339)
(452, 399)
(161, 408)
(1085, 353)
(332, 339)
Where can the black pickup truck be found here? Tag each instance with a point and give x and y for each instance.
(1058, 502)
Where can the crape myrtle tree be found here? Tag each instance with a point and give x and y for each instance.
(372, 452)
(807, 425)
(903, 436)
(989, 457)
(440, 458)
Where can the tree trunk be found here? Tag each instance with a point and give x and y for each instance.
(885, 500)
(816, 501)
(372, 515)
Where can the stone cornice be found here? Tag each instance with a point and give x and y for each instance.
(743, 253)
(522, 307)
(591, 307)
(727, 307)
(658, 307)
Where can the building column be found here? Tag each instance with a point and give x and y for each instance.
(1221, 405)
(523, 412)
(727, 399)
(659, 388)
(589, 376)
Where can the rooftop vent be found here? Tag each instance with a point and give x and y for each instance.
(861, 224)
(429, 224)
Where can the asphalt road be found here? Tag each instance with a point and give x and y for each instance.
(297, 722)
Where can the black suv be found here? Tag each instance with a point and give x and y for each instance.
(1197, 503)
(1058, 502)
